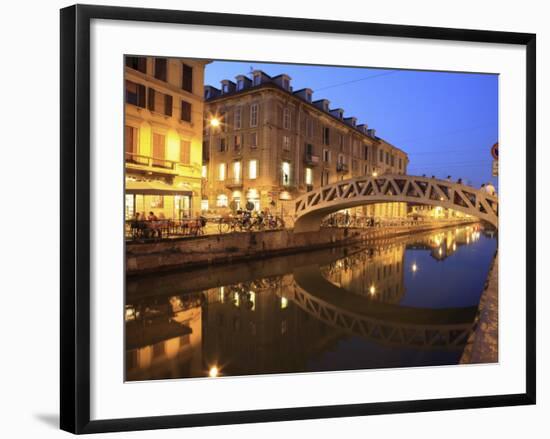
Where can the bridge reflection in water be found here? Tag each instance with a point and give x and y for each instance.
(405, 302)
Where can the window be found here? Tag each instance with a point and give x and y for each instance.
(309, 149)
(254, 115)
(366, 171)
(253, 140)
(185, 111)
(309, 176)
(225, 88)
(185, 152)
(257, 79)
(237, 171)
(204, 171)
(285, 173)
(135, 94)
(222, 144)
(365, 152)
(400, 164)
(341, 142)
(237, 118)
(309, 127)
(221, 172)
(354, 165)
(160, 68)
(308, 96)
(325, 178)
(381, 156)
(253, 169)
(158, 149)
(221, 201)
(392, 160)
(138, 63)
(285, 83)
(326, 136)
(286, 143)
(237, 143)
(326, 155)
(387, 158)
(130, 141)
(240, 84)
(286, 119)
(160, 102)
(187, 78)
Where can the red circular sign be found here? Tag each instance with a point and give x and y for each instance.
(494, 151)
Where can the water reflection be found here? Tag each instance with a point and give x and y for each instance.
(345, 308)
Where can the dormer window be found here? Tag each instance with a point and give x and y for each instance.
(257, 79)
(225, 88)
(285, 83)
(308, 96)
(240, 84)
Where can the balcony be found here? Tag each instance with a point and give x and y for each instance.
(150, 164)
(342, 167)
(234, 183)
(311, 159)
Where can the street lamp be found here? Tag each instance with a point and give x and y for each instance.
(375, 174)
(214, 122)
(213, 372)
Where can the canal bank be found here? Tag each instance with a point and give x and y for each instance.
(482, 345)
(150, 257)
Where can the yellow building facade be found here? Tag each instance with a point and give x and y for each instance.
(163, 136)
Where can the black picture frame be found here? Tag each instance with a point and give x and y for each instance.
(75, 217)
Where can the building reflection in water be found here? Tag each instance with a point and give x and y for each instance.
(257, 325)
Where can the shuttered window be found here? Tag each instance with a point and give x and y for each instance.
(168, 105)
(160, 68)
(185, 111)
(130, 141)
(187, 78)
(138, 63)
(158, 149)
(135, 94)
(185, 152)
(151, 99)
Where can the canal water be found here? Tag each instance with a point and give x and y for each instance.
(403, 302)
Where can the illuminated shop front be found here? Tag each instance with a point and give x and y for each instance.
(163, 200)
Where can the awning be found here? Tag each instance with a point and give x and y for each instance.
(156, 188)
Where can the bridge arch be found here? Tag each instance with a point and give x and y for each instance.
(312, 207)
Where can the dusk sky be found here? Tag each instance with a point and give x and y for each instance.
(445, 122)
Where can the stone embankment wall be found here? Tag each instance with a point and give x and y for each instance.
(482, 346)
(215, 249)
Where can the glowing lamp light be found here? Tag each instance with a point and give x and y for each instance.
(214, 122)
(375, 174)
(414, 268)
(372, 290)
(213, 372)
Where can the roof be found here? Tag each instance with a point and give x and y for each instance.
(273, 85)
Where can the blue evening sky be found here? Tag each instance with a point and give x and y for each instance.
(446, 122)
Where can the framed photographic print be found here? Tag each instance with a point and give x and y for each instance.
(255, 204)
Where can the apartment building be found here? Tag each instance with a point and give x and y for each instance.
(267, 144)
(163, 136)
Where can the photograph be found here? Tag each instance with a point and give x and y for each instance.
(293, 218)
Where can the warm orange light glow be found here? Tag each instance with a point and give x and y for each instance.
(213, 372)
(372, 290)
(414, 268)
(375, 174)
(214, 122)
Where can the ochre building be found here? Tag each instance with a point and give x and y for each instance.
(267, 144)
(163, 136)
